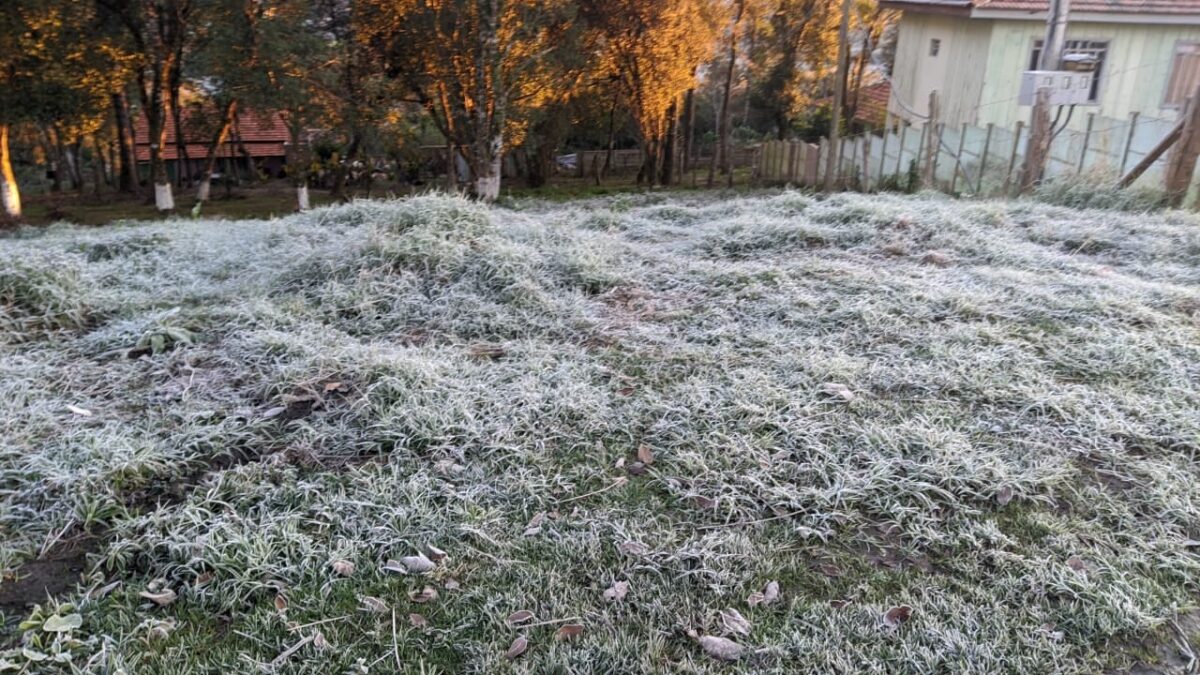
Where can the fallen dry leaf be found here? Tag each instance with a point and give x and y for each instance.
(281, 603)
(636, 468)
(394, 566)
(1004, 495)
(451, 584)
(702, 502)
(373, 604)
(488, 351)
(568, 631)
(645, 455)
(427, 594)
(830, 570)
(519, 616)
(204, 578)
(274, 412)
(332, 387)
(937, 259)
(769, 594)
(417, 564)
(1077, 564)
(535, 524)
(517, 648)
(733, 623)
(897, 615)
(434, 553)
(417, 620)
(161, 598)
(721, 648)
(838, 391)
(617, 591)
(82, 412)
(342, 568)
(319, 641)
(633, 548)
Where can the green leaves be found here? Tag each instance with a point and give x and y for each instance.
(62, 624)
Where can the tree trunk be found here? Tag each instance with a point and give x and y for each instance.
(488, 153)
(164, 199)
(10, 194)
(667, 173)
(339, 176)
(689, 129)
(726, 165)
(297, 162)
(210, 162)
(128, 181)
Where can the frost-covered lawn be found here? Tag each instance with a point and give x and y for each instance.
(634, 434)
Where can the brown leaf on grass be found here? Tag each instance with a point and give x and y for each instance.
(394, 566)
(1004, 495)
(568, 631)
(370, 603)
(486, 351)
(1077, 564)
(625, 391)
(518, 617)
(342, 568)
(320, 642)
(633, 548)
(768, 595)
(204, 578)
(434, 553)
(702, 502)
(535, 524)
(830, 570)
(281, 603)
(838, 391)
(617, 591)
(636, 468)
(733, 623)
(897, 615)
(838, 604)
(417, 620)
(331, 387)
(417, 564)
(722, 649)
(937, 259)
(517, 648)
(451, 584)
(645, 454)
(161, 598)
(427, 594)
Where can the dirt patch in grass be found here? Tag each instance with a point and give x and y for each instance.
(52, 575)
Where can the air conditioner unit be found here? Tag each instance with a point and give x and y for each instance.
(1066, 87)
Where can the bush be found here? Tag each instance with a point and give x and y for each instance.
(1096, 190)
(41, 291)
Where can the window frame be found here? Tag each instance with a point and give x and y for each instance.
(935, 47)
(1179, 43)
(1101, 81)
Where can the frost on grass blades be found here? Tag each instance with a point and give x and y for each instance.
(770, 433)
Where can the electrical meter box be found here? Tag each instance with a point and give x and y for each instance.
(1066, 87)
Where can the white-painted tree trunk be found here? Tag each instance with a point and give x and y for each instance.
(10, 193)
(164, 199)
(487, 180)
(302, 198)
(204, 190)
(11, 197)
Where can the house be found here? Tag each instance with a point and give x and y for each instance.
(973, 52)
(256, 144)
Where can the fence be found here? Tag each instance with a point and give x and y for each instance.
(982, 161)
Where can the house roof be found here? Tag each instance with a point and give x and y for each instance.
(1158, 8)
(262, 133)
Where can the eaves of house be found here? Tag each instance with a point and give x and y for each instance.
(1186, 12)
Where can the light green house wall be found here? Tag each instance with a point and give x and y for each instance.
(980, 76)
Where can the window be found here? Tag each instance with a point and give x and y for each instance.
(935, 46)
(1097, 49)
(1185, 74)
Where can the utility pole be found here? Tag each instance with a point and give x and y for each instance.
(1056, 35)
(839, 94)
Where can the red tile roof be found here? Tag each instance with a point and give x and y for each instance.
(1099, 6)
(262, 133)
(873, 103)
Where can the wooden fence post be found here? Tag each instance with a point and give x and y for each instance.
(1182, 163)
(1038, 148)
(958, 166)
(932, 141)
(882, 155)
(904, 125)
(1012, 158)
(987, 144)
(1133, 118)
(866, 167)
(1087, 137)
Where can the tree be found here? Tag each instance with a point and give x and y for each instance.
(794, 54)
(477, 67)
(157, 33)
(724, 123)
(652, 48)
